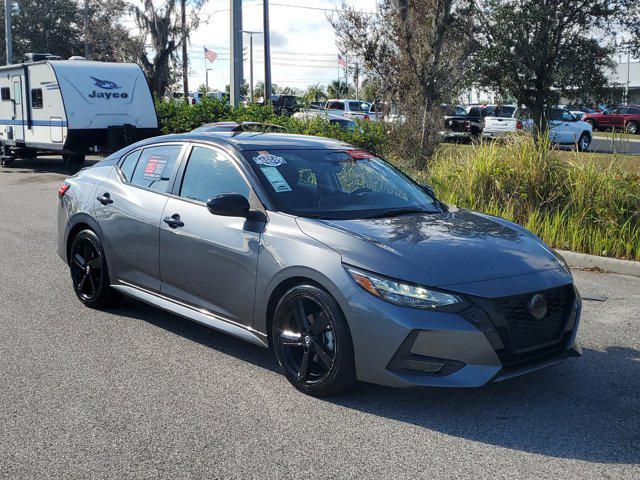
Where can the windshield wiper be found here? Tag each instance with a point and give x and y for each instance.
(394, 212)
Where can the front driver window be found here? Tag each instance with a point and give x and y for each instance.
(210, 173)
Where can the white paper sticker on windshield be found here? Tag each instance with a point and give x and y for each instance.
(276, 179)
(265, 158)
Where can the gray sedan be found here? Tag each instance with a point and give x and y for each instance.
(325, 253)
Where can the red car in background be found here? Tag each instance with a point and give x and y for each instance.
(625, 117)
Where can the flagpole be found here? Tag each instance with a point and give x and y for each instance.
(339, 80)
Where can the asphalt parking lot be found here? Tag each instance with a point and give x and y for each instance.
(135, 392)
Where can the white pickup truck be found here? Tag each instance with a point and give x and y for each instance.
(564, 127)
(347, 108)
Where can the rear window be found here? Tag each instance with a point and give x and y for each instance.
(155, 167)
(359, 106)
(503, 112)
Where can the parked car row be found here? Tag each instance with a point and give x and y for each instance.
(495, 121)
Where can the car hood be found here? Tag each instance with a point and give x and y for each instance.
(438, 250)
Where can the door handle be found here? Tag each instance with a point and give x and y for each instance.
(105, 199)
(173, 221)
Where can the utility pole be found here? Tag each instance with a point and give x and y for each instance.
(236, 52)
(185, 59)
(267, 52)
(206, 77)
(626, 88)
(251, 34)
(8, 31)
(86, 29)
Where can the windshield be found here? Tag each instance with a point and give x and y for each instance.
(337, 184)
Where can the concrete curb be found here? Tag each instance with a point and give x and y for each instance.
(613, 265)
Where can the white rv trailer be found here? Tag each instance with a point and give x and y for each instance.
(72, 107)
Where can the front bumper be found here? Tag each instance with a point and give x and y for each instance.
(403, 347)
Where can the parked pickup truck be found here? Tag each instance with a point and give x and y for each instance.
(500, 120)
(347, 108)
(460, 122)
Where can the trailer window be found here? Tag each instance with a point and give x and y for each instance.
(36, 98)
(5, 93)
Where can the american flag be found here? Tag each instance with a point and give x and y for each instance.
(210, 54)
(341, 61)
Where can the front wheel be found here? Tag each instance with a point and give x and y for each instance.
(584, 141)
(312, 342)
(632, 128)
(89, 272)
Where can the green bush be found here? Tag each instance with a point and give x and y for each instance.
(574, 204)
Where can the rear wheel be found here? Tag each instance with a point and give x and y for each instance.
(584, 141)
(592, 123)
(312, 342)
(73, 163)
(89, 272)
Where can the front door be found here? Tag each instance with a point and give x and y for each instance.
(18, 108)
(128, 207)
(210, 261)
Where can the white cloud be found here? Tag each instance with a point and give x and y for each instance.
(303, 44)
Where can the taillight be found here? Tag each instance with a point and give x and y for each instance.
(193, 101)
(366, 117)
(63, 189)
(519, 125)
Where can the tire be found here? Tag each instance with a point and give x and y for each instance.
(314, 349)
(89, 272)
(632, 128)
(593, 125)
(583, 142)
(73, 163)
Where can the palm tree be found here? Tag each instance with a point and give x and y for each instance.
(337, 89)
(315, 93)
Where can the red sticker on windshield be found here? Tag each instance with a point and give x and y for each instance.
(359, 154)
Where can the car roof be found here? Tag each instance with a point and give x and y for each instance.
(256, 140)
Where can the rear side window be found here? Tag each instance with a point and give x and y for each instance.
(335, 106)
(5, 93)
(129, 164)
(210, 173)
(36, 98)
(155, 167)
(634, 111)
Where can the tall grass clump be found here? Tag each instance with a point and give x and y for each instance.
(570, 201)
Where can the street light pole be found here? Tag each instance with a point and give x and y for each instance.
(236, 52)
(251, 34)
(8, 31)
(267, 52)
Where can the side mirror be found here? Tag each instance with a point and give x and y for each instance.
(229, 205)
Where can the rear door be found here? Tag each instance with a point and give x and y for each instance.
(210, 261)
(129, 209)
(18, 108)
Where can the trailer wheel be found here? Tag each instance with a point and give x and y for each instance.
(73, 163)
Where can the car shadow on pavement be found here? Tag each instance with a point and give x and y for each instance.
(585, 409)
(198, 333)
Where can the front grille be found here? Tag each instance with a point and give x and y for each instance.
(524, 331)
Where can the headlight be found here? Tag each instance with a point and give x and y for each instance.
(561, 261)
(403, 294)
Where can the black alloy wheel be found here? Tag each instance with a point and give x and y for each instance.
(312, 342)
(89, 271)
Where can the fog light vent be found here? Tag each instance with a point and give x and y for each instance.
(420, 366)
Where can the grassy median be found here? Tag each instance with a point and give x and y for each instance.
(574, 201)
